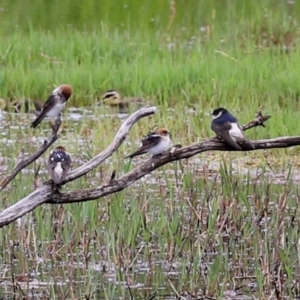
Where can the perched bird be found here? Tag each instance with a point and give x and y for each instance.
(55, 104)
(59, 164)
(154, 143)
(113, 98)
(227, 128)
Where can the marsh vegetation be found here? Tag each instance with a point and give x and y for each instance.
(219, 225)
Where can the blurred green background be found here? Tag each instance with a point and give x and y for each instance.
(225, 15)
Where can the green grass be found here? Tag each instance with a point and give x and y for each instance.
(215, 223)
(140, 64)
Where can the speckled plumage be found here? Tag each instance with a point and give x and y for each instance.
(59, 164)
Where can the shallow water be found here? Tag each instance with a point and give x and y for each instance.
(51, 274)
(15, 125)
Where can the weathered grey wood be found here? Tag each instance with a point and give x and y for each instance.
(153, 163)
(118, 140)
(24, 162)
(45, 193)
(26, 205)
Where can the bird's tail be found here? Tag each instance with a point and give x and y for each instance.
(136, 153)
(247, 144)
(35, 123)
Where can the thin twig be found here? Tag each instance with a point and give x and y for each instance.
(45, 193)
(115, 144)
(24, 162)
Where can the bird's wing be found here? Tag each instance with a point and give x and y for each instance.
(47, 106)
(140, 151)
(66, 165)
(243, 140)
(51, 165)
(49, 103)
(222, 131)
(152, 139)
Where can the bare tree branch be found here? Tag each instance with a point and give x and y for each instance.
(116, 143)
(259, 121)
(45, 193)
(23, 163)
(156, 162)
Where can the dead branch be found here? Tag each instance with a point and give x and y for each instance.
(154, 163)
(45, 194)
(259, 121)
(23, 163)
(115, 144)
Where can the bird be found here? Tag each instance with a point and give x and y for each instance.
(59, 164)
(113, 98)
(55, 104)
(227, 128)
(155, 143)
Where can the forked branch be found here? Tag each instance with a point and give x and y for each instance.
(45, 192)
(113, 185)
(154, 163)
(116, 143)
(24, 162)
(259, 121)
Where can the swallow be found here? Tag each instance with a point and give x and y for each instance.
(155, 143)
(113, 98)
(59, 164)
(55, 104)
(227, 128)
